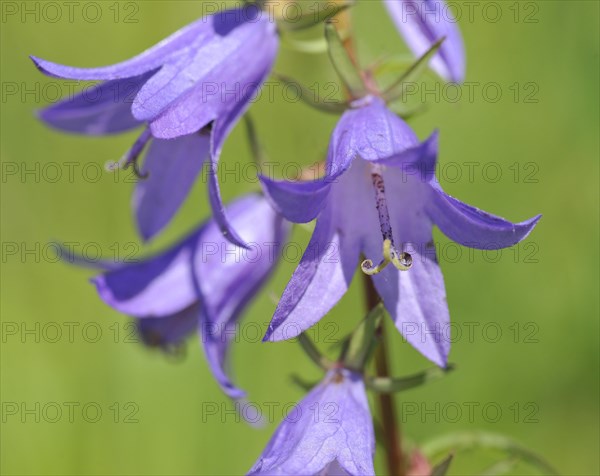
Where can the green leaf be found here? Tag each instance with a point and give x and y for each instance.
(396, 90)
(343, 64)
(391, 385)
(442, 468)
(363, 340)
(464, 441)
(313, 353)
(311, 16)
(312, 99)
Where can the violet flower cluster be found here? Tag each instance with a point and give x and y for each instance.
(379, 199)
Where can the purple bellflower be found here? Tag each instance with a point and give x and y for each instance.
(202, 284)
(379, 192)
(422, 23)
(201, 78)
(330, 432)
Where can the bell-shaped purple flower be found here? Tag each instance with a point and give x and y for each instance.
(424, 22)
(380, 198)
(202, 77)
(202, 284)
(330, 432)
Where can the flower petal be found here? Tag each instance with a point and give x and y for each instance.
(217, 83)
(416, 298)
(102, 109)
(220, 128)
(416, 301)
(172, 167)
(216, 344)
(176, 44)
(154, 287)
(168, 331)
(472, 227)
(229, 277)
(422, 23)
(331, 429)
(299, 202)
(370, 131)
(318, 283)
(419, 160)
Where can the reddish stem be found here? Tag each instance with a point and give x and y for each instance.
(387, 405)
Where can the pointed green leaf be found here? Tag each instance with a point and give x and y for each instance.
(391, 385)
(396, 90)
(481, 440)
(441, 469)
(345, 67)
(312, 99)
(363, 340)
(313, 353)
(313, 14)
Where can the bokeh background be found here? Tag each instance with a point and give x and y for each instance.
(526, 321)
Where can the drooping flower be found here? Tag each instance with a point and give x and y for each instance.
(424, 22)
(330, 432)
(380, 191)
(202, 77)
(202, 284)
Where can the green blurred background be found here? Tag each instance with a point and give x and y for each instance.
(533, 355)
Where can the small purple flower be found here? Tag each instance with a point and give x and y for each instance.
(380, 191)
(202, 284)
(330, 432)
(203, 76)
(422, 23)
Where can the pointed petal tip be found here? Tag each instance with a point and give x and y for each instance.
(103, 291)
(233, 392)
(282, 333)
(42, 66)
(145, 231)
(268, 335)
(439, 357)
(231, 236)
(524, 228)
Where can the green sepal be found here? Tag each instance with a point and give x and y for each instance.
(342, 63)
(325, 11)
(463, 441)
(392, 385)
(311, 98)
(441, 469)
(405, 113)
(311, 47)
(396, 90)
(313, 353)
(303, 384)
(258, 152)
(391, 64)
(362, 341)
(501, 467)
